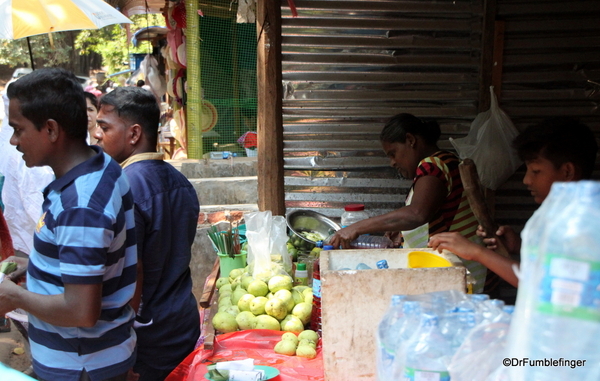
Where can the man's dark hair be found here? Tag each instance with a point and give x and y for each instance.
(559, 140)
(140, 83)
(52, 93)
(135, 105)
(398, 126)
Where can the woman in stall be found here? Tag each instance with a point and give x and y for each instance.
(436, 201)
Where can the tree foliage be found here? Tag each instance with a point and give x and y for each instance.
(15, 52)
(111, 42)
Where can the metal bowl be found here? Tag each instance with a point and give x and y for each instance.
(300, 221)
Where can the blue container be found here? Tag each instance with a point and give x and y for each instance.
(382, 264)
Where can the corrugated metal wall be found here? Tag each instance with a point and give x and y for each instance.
(551, 50)
(350, 65)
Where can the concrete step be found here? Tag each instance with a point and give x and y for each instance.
(226, 190)
(209, 168)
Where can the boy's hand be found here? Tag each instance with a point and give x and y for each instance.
(8, 290)
(455, 243)
(21, 267)
(510, 239)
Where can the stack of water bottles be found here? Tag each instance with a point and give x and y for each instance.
(557, 313)
(420, 335)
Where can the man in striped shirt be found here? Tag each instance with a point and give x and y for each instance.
(81, 273)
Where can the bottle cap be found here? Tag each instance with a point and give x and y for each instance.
(301, 266)
(328, 247)
(354, 207)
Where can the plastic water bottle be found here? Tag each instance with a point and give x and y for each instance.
(412, 312)
(428, 354)
(382, 264)
(508, 309)
(449, 323)
(564, 317)
(466, 322)
(367, 241)
(387, 338)
(532, 236)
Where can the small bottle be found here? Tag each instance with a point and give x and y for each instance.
(382, 264)
(301, 275)
(315, 316)
(353, 213)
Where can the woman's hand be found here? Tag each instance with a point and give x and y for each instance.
(396, 238)
(457, 244)
(344, 237)
(21, 267)
(510, 239)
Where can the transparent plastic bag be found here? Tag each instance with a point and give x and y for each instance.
(267, 249)
(489, 145)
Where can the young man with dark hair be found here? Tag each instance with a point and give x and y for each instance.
(166, 215)
(81, 272)
(558, 149)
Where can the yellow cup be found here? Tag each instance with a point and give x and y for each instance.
(420, 259)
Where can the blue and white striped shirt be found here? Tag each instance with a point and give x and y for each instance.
(86, 235)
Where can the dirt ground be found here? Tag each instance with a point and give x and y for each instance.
(8, 342)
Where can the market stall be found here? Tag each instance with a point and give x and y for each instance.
(244, 317)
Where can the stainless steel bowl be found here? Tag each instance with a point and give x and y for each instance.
(309, 221)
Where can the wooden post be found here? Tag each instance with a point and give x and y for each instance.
(487, 54)
(498, 60)
(269, 118)
(492, 47)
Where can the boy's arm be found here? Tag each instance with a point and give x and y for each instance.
(468, 250)
(78, 306)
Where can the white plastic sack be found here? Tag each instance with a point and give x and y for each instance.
(489, 145)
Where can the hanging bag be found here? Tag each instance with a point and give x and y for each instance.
(489, 144)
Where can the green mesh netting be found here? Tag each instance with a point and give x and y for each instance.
(228, 77)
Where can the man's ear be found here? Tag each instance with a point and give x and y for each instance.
(52, 129)
(570, 172)
(135, 133)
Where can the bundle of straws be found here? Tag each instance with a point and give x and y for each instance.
(225, 242)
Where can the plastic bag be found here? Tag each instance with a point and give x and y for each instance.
(267, 245)
(489, 145)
